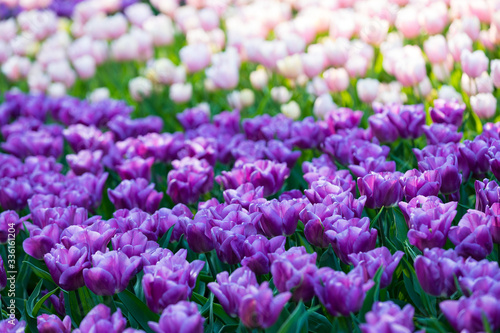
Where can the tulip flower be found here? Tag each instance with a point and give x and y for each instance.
(52, 323)
(449, 112)
(181, 317)
(278, 218)
(484, 105)
(100, 317)
(189, 179)
(135, 193)
(381, 189)
(257, 249)
(66, 265)
(387, 317)
(472, 235)
(135, 167)
(12, 325)
(470, 314)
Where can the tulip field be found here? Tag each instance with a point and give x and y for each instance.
(217, 166)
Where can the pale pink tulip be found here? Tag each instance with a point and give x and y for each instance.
(166, 7)
(5, 51)
(85, 66)
(312, 64)
(449, 93)
(374, 31)
(280, 94)
(290, 66)
(458, 43)
(138, 13)
(8, 29)
(484, 84)
(209, 19)
(484, 105)
(160, 28)
(481, 9)
(407, 22)
(434, 18)
(116, 26)
(317, 86)
(259, 78)
(468, 85)
(411, 71)
(436, 49)
(61, 71)
(343, 24)
(322, 105)
(475, 63)
(125, 48)
(180, 93)
(294, 43)
(356, 66)
(56, 89)
(224, 76)
(16, 68)
(337, 79)
(337, 51)
(367, 89)
(99, 94)
(495, 72)
(424, 87)
(139, 88)
(195, 57)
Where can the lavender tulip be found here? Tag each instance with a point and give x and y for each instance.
(193, 118)
(3, 276)
(475, 154)
(470, 314)
(182, 317)
(14, 193)
(12, 325)
(257, 249)
(66, 265)
(447, 168)
(32, 143)
(41, 241)
(429, 221)
(442, 133)
(10, 220)
(230, 289)
(111, 272)
(278, 218)
(100, 319)
(341, 293)
(436, 271)
(189, 179)
(53, 324)
(417, 183)
(81, 137)
(95, 237)
(86, 161)
(487, 193)
(388, 317)
(135, 193)
(135, 167)
(244, 195)
(494, 212)
(294, 270)
(372, 260)
(381, 189)
(321, 189)
(133, 243)
(124, 127)
(448, 112)
(472, 235)
(259, 309)
(342, 118)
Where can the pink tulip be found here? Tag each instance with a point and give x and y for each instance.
(322, 105)
(5, 51)
(374, 31)
(280, 94)
(294, 43)
(424, 87)
(259, 78)
(16, 68)
(468, 85)
(481, 9)
(56, 89)
(407, 22)
(8, 29)
(160, 28)
(449, 93)
(367, 90)
(139, 88)
(290, 66)
(434, 18)
(409, 72)
(99, 51)
(484, 84)
(336, 79)
(269, 52)
(138, 13)
(337, 51)
(436, 49)
(484, 105)
(61, 71)
(85, 67)
(34, 4)
(485, 37)
(342, 24)
(180, 93)
(473, 64)
(317, 86)
(209, 19)
(195, 57)
(99, 94)
(471, 26)
(166, 7)
(38, 81)
(116, 26)
(495, 72)
(224, 76)
(125, 48)
(356, 66)
(312, 64)
(458, 43)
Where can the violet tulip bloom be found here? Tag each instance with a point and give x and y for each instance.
(41, 241)
(278, 217)
(230, 289)
(86, 161)
(171, 280)
(259, 308)
(341, 293)
(447, 168)
(182, 317)
(124, 127)
(66, 265)
(448, 112)
(381, 189)
(475, 155)
(372, 260)
(52, 323)
(12, 326)
(294, 271)
(469, 314)
(135, 167)
(442, 133)
(472, 235)
(133, 243)
(257, 249)
(487, 193)
(3, 276)
(100, 319)
(417, 183)
(193, 118)
(14, 193)
(111, 272)
(429, 221)
(189, 179)
(244, 195)
(494, 212)
(388, 317)
(135, 193)
(9, 219)
(436, 271)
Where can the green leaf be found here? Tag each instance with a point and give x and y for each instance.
(486, 323)
(42, 300)
(41, 273)
(291, 324)
(229, 328)
(217, 309)
(318, 323)
(372, 296)
(303, 242)
(329, 259)
(375, 219)
(138, 310)
(165, 239)
(31, 300)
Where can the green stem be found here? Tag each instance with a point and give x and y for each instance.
(213, 271)
(380, 227)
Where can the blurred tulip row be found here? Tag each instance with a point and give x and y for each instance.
(249, 166)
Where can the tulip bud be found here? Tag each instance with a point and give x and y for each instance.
(291, 110)
(484, 105)
(139, 88)
(259, 78)
(367, 89)
(180, 93)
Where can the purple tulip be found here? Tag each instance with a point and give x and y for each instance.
(135, 167)
(95, 237)
(469, 314)
(53, 324)
(266, 127)
(259, 309)
(171, 280)
(66, 265)
(135, 193)
(182, 317)
(371, 164)
(244, 195)
(248, 151)
(10, 220)
(229, 243)
(124, 127)
(372, 260)
(487, 193)
(442, 133)
(306, 134)
(388, 317)
(382, 127)
(342, 118)
(350, 236)
(111, 272)
(100, 319)
(447, 112)
(3, 276)
(12, 325)
(257, 249)
(494, 212)
(278, 218)
(417, 183)
(322, 168)
(86, 161)
(133, 243)
(14, 193)
(429, 221)
(196, 236)
(230, 289)
(436, 271)
(189, 179)
(10, 166)
(280, 152)
(341, 293)
(193, 118)
(472, 235)
(294, 271)
(321, 189)
(33, 143)
(447, 168)
(81, 137)
(408, 119)
(475, 154)
(381, 189)
(41, 241)
(178, 217)
(313, 217)
(268, 174)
